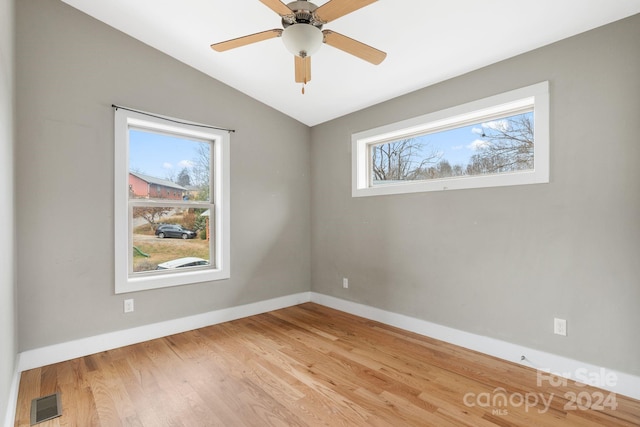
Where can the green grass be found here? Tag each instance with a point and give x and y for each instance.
(145, 229)
(162, 250)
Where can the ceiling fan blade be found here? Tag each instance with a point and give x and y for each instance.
(354, 47)
(334, 9)
(278, 7)
(303, 69)
(245, 40)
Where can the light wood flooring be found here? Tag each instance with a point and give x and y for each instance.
(309, 365)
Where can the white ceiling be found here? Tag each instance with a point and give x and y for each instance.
(426, 42)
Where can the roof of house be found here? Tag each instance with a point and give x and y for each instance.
(158, 181)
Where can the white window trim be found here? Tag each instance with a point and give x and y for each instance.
(535, 96)
(220, 226)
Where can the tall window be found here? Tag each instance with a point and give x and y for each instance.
(171, 202)
(497, 141)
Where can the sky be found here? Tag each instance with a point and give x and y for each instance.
(458, 145)
(160, 156)
(164, 156)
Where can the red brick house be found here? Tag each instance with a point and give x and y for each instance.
(149, 187)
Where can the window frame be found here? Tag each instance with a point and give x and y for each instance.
(534, 97)
(219, 186)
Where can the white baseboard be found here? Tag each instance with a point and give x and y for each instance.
(623, 383)
(12, 402)
(43, 356)
(598, 376)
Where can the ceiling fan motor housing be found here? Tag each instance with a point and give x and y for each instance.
(302, 14)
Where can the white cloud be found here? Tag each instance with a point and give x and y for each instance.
(167, 165)
(477, 131)
(185, 164)
(478, 144)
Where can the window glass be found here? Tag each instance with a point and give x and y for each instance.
(172, 202)
(497, 141)
(165, 233)
(496, 146)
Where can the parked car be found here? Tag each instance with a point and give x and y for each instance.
(189, 261)
(174, 230)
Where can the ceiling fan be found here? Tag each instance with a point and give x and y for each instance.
(303, 35)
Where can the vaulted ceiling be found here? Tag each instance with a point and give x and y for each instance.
(426, 42)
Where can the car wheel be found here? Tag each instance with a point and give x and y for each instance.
(161, 235)
(185, 236)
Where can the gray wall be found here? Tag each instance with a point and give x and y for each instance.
(503, 262)
(497, 262)
(70, 69)
(8, 329)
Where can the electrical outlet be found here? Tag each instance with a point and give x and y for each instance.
(345, 283)
(128, 305)
(560, 327)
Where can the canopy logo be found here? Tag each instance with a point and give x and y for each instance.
(500, 401)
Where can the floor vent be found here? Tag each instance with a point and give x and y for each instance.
(45, 408)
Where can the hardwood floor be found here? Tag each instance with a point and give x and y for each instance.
(309, 366)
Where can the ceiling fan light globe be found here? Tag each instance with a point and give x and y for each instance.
(302, 39)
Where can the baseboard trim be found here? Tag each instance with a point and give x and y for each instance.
(12, 401)
(624, 384)
(43, 356)
(604, 378)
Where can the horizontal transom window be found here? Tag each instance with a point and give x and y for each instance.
(496, 141)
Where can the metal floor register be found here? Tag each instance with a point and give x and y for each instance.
(45, 408)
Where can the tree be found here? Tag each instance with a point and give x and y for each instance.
(150, 214)
(457, 170)
(202, 165)
(402, 160)
(200, 223)
(201, 170)
(170, 176)
(444, 169)
(509, 146)
(184, 179)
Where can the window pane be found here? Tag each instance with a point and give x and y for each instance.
(163, 166)
(493, 147)
(169, 238)
(171, 173)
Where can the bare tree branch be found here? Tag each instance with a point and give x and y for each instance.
(402, 160)
(510, 147)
